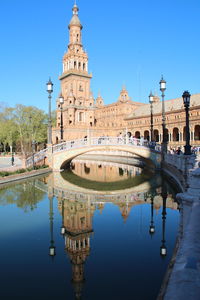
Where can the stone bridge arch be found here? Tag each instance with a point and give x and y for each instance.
(58, 159)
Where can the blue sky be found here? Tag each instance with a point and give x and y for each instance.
(128, 42)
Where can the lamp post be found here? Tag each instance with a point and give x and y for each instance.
(49, 90)
(61, 99)
(152, 227)
(151, 109)
(164, 139)
(186, 100)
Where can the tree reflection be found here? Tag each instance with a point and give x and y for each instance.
(24, 195)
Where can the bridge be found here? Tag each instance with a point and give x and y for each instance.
(183, 169)
(60, 154)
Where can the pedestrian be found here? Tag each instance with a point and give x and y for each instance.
(12, 160)
(178, 151)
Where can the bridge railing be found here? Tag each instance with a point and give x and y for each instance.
(182, 162)
(96, 141)
(36, 157)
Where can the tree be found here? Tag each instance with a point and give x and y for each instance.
(31, 125)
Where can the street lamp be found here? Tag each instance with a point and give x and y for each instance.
(164, 139)
(49, 85)
(151, 108)
(61, 99)
(186, 101)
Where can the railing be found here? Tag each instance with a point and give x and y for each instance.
(36, 157)
(104, 141)
(94, 141)
(182, 162)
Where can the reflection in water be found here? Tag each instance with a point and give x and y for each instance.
(152, 227)
(105, 176)
(81, 212)
(78, 228)
(52, 248)
(104, 171)
(163, 248)
(77, 217)
(24, 195)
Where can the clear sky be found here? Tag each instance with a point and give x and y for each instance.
(128, 42)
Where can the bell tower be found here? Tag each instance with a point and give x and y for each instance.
(78, 106)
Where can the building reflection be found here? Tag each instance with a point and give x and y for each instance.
(77, 230)
(77, 211)
(104, 171)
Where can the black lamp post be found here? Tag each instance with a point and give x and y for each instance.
(163, 248)
(151, 109)
(52, 248)
(61, 99)
(49, 90)
(186, 100)
(152, 227)
(164, 139)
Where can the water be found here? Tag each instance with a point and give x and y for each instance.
(107, 251)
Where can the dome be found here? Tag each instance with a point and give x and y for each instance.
(75, 22)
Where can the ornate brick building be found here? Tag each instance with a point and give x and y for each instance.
(84, 116)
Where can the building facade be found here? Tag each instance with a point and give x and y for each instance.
(84, 116)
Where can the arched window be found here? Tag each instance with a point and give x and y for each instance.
(175, 134)
(156, 135)
(137, 135)
(146, 135)
(197, 133)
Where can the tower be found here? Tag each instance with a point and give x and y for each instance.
(78, 106)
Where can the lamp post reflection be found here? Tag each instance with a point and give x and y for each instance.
(152, 227)
(52, 248)
(62, 229)
(163, 248)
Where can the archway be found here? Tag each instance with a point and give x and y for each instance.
(197, 133)
(175, 134)
(146, 135)
(137, 135)
(156, 135)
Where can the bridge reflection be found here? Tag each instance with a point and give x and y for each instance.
(77, 209)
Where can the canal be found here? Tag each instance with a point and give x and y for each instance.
(98, 230)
